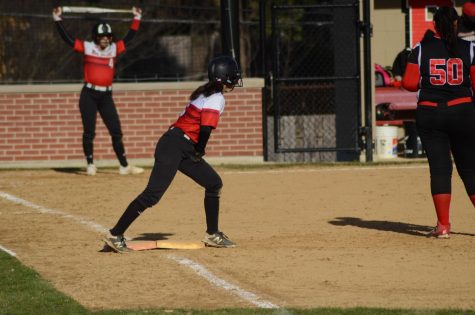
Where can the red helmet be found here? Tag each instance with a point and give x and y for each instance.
(469, 9)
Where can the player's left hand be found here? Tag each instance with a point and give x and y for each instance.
(57, 14)
(137, 12)
(196, 156)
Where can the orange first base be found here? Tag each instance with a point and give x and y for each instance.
(146, 245)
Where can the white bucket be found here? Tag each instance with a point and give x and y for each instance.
(386, 142)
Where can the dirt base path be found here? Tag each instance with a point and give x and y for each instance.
(307, 237)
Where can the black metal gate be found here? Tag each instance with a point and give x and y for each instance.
(313, 99)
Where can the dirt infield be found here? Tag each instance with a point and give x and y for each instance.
(307, 237)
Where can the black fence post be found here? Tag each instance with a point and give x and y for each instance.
(264, 71)
(230, 28)
(368, 86)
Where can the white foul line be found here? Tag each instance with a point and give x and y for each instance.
(199, 269)
(203, 272)
(9, 252)
(92, 225)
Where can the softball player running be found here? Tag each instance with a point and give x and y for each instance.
(99, 59)
(441, 68)
(182, 148)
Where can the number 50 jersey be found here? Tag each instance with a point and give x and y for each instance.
(438, 76)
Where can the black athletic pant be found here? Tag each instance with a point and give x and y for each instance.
(444, 129)
(173, 153)
(90, 102)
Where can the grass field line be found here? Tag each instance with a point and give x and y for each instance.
(8, 251)
(325, 169)
(199, 269)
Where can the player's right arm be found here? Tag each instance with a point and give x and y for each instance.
(412, 75)
(134, 27)
(75, 43)
(472, 65)
(209, 120)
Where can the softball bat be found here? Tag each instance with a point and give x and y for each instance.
(70, 9)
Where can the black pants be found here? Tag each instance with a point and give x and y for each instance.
(172, 154)
(443, 130)
(90, 102)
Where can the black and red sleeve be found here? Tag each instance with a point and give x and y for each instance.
(121, 44)
(472, 65)
(64, 34)
(412, 75)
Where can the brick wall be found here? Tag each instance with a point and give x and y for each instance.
(42, 123)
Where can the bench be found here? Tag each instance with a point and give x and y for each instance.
(394, 106)
(397, 107)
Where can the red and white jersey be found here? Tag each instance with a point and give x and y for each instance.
(202, 111)
(99, 63)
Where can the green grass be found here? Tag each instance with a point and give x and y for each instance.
(23, 292)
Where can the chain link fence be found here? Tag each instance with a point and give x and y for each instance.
(307, 50)
(174, 43)
(314, 112)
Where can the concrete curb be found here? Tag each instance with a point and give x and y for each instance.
(244, 160)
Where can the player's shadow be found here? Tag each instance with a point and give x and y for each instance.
(388, 226)
(153, 236)
(70, 170)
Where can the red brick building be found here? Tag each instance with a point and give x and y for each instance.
(420, 16)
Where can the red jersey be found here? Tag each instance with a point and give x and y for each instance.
(99, 63)
(202, 111)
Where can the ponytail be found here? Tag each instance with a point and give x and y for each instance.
(207, 89)
(445, 25)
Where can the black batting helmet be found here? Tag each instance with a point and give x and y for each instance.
(101, 29)
(224, 69)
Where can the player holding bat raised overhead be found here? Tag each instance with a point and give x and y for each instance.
(96, 96)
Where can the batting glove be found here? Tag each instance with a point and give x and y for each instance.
(137, 12)
(57, 14)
